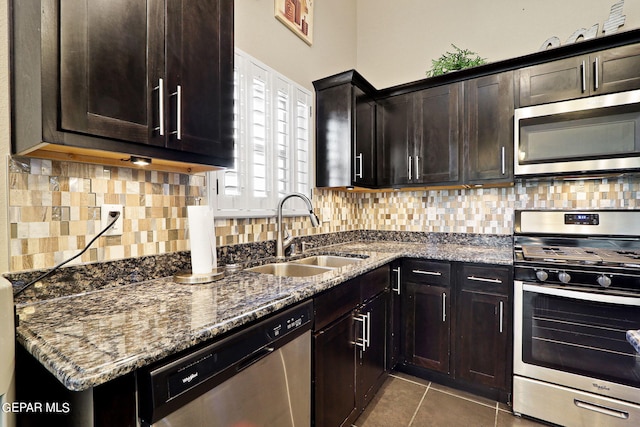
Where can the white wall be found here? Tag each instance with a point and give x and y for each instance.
(262, 36)
(398, 39)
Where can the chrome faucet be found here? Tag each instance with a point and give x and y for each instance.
(284, 239)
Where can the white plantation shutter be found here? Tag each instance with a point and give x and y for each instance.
(259, 120)
(227, 187)
(272, 132)
(283, 137)
(302, 146)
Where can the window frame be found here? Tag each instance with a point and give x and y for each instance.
(288, 126)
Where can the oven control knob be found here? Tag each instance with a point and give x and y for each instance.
(542, 275)
(564, 277)
(604, 281)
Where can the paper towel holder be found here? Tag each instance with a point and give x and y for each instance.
(187, 277)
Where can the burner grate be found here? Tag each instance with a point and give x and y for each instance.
(584, 255)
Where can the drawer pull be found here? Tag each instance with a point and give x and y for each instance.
(428, 273)
(483, 279)
(601, 409)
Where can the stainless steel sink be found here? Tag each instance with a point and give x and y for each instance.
(331, 261)
(289, 269)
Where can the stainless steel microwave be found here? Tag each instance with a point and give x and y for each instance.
(582, 136)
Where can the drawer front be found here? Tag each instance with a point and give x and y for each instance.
(420, 271)
(495, 279)
(374, 282)
(335, 302)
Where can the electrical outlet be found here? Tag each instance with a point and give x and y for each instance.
(116, 229)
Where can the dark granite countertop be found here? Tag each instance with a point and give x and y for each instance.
(90, 338)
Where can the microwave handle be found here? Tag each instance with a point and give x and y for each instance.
(595, 73)
(503, 158)
(585, 296)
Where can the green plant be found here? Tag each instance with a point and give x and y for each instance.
(451, 61)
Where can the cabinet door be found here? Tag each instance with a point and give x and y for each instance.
(334, 118)
(554, 81)
(427, 327)
(489, 129)
(482, 339)
(483, 349)
(371, 366)
(111, 57)
(617, 69)
(334, 374)
(395, 136)
(199, 63)
(364, 142)
(435, 157)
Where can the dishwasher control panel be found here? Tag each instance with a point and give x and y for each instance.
(284, 326)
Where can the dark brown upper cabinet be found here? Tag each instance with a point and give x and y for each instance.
(488, 129)
(608, 71)
(345, 131)
(104, 79)
(418, 137)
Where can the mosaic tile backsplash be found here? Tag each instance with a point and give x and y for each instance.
(54, 210)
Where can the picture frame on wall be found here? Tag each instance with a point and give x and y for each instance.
(297, 15)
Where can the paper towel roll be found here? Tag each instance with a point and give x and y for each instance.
(202, 238)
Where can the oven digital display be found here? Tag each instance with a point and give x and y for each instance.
(582, 219)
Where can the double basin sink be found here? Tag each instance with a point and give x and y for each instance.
(305, 267)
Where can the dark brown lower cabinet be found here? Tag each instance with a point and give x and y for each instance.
(484, 326)
(335, 369)
(426, 313)
(457, 324)
(349, 347)
(428, 327)
(371, 356)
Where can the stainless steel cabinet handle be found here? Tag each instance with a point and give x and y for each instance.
(397, 271)
(595, 72)
(368, 340)
(584, 76)
(482, 279)
(503, 158)
(428, 273)
(360, 173)
(362, 342)
(410, 160)
(417, 167)
(160, 89)
(178, 95)
(501, 315)
(444, 307)
(602, 409)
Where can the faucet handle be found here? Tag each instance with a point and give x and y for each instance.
(305, 246)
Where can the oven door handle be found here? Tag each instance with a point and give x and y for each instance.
(585, 296)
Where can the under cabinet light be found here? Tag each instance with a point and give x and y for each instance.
(139, 161)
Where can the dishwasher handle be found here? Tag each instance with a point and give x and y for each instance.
(253, 358)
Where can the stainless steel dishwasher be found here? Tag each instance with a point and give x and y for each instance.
(260, 376)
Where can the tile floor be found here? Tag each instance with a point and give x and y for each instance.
(404, 400)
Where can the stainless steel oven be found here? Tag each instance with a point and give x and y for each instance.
(576, 294)
(595, 134)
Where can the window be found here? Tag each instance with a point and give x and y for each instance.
(272, 133)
